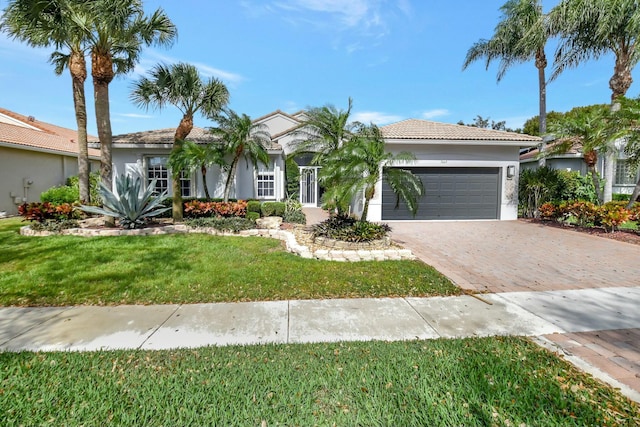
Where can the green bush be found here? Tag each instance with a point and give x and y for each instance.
(94, 187)
(349, 229)
(292, 172)
(296, 217)
(254, 206)
(618, 197)
(253, 215)
(233, 224)
(60, 194)
(273, 208)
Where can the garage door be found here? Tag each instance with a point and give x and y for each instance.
(450, 193)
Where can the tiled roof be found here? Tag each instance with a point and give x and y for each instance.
(424, 129)
(28, 132)
(165, 136)
(575, 149)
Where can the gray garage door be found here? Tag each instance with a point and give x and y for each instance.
(450, 193)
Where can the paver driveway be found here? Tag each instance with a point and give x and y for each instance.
(507, 256)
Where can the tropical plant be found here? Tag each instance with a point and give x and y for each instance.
(360, 164)
(591, 29)
(627, 121)
(324, 130)
(223, 224)
(590, 129)
(519, 37)
(55, 23)
(45, 211)
(181, 86)
(193, 157)
(349, 229)
(242, 138)
(131, 206)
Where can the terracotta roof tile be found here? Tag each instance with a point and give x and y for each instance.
(33, 133)
(428, 130)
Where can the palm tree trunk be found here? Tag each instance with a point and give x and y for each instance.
(78, 71)
(232, 174)
(541, 65)
(183, 130)
(621, 80)
(634, 195)
(102, 73)
(203, 169)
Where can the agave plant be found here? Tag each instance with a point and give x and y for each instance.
(131, 207)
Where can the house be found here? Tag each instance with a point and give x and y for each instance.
(624, 180)
(35, 156)
(468, 173)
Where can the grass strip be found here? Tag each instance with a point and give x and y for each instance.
(189, 268)
(471, 382)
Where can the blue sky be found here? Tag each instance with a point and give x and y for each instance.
(397, 59)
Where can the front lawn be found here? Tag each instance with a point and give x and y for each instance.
(194, 268)
(470, 382)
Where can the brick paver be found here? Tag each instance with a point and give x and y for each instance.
(511, 256)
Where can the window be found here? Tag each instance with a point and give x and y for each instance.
(266, 184)
(624, 175)
(185, 184)
(157, 169)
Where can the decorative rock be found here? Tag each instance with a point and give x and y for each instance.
(269, 222)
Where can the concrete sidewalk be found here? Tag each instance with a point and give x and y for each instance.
(549, 316)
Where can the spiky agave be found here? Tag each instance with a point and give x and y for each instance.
(128, 204)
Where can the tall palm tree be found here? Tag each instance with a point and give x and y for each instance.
(589, 128)
(181, 86)
(324, 130)
(590, 29)
(519, 37)
(242, 138)
(194, 157)
(116, 31)
(359, 164)
(627, 123)
(45, 23)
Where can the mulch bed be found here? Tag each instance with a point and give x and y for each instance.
(628, 236)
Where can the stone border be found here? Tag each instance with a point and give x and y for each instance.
(289, 239)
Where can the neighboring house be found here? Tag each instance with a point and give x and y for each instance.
(468, 173)
(35, 156)
(624, 180)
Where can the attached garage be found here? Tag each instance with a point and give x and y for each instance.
(450, 193)
(468, 173)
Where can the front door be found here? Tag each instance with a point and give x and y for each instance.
(309, 185)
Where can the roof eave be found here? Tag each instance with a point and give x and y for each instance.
(499, 143)
(43, 150)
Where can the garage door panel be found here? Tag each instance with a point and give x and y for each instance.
(450, 193)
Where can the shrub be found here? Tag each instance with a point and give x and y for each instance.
(60, 194)
(252, 215)
(349, 229)
(55, 226)
(198, 209)
(131, 207)
(548, 211)
(233, 224)
(292, 172)
(45, 211)
(254, 206)
(584, 213)
(297, 217)
(618, 197)
(634, 212)
(612, 214)
(273, 208)
(94, 187)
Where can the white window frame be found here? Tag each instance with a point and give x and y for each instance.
(266, 184)
(156, 167)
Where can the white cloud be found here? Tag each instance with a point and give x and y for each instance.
(438, 112)
(375, 117)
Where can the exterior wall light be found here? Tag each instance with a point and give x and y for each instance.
(511, 171)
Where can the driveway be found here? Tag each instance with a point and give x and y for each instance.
(511, 256)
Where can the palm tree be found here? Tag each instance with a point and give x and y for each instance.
(589, 128)
(324, 130)
(519, 37)
(627, 123)
(242, 138)
(116, 31)
(359, 164)
(590, 29)
(181, 86)
(48, 23)
(194, 157)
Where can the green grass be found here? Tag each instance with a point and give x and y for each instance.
(470, 382)
(195, 268)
